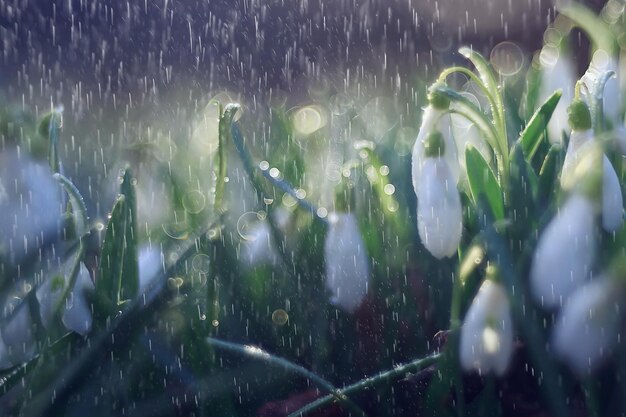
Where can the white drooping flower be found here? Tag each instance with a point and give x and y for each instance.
(564, 254)
(347, 265)
(486, 342)
(582, 144)
(30, 204)
(557, 72)
(435, 119)
(18, 335)
(76, 311)
(439, 211)
(588, 326)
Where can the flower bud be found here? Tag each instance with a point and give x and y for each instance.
(347, 264)
(578, 116)
(486, 342)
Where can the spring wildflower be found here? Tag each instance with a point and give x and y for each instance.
(435, 118)
(587, 328)
(562, 260)
(580, 144)
(76, 311)
(347, 266)
(439, 211)
(486, 342)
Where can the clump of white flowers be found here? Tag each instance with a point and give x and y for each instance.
(486, 343)
(439, 211)
(347, 265)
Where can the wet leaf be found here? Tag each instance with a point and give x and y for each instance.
(531, 136)
(482, 180)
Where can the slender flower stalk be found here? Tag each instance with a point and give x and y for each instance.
(587, 328)
(347, 265)
(486, 343)
(439, 211)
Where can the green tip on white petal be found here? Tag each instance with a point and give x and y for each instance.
(434, 145)
(578, 116)
(437, 99)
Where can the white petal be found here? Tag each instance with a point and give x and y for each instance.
(18, 336)
(258, 249)
(151, 262)
(612, 202)
(434, 119)
(575, 151)
(587, 327)
(439, 211)
(77, 314)
(347, 265)
(486, 342)
(564, 253)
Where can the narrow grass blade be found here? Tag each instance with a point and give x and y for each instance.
(531, 136)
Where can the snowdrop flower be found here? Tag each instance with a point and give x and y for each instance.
(486, 343)
(258, 248)
(76, 309)
(587, 328)
(562, 261)
(347, 265)
(435, 117)
(439, 211)
(557, 72)
(151, 262)
(17, 334)
(581, 144)
(30, 204)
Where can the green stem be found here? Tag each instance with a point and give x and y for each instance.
(257, 353)
(471, 75)
(397, 371)
(72, 281)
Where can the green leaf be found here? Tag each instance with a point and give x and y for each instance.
(79, 209)
(224, 131)
(482, 180)
(531, 136)
(522, 183)
(595, 27)
(548, 176)
(118, 280)
(49, 129)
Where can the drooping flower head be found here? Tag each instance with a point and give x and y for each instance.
(581, 144)
(564, 254)
(347, 266)
(435, 118)
(439, 211)
(587, 328)
(486, 343)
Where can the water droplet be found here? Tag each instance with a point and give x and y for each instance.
(280, 317)
(194, 201)
(307, 120)
(215, 323)
(507, 58)
(201, 263)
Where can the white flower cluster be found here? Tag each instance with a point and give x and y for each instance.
(561, 270)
